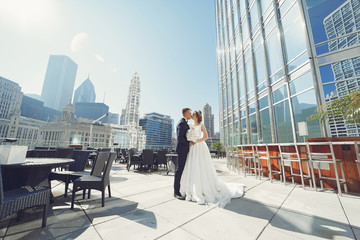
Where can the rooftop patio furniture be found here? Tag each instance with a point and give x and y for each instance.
(323, 154)
(133, 159)
(263, 153)
(289, 153)
(124, 155)
(95, 181)
(251, 162)
(64, 152)
(148, 158)
(357, 152)
(161, 159)
(74, 171)
(15, 200)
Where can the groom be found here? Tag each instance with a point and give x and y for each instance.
(182, 149)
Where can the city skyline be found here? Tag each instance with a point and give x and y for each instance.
(178, 53)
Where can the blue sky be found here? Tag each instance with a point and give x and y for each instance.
(171, 44)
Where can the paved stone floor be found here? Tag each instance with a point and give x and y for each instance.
(142, 207)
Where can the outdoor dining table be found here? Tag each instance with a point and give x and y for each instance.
(33, 172)
(171, 161)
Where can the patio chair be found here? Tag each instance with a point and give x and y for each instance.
(263, 153)
(94, 181)
(64, 152)
(289, 153)
(357, 151)
(133, 159)
(124, 156)
(75, 170)
(16, 200)
(161, 159)
(251, 162)
(323, 153)
(148, 158)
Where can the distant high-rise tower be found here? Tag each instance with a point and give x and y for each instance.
(122, 116)
(133, 102)
(85, 92)
(59, 82)
(208, 119)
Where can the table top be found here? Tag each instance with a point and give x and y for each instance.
(39, 162)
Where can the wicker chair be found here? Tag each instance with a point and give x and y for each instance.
(13, 201)
(148, 158)
(133, 160)
(94, 181)
(75, 170)
(64, 152)
(161, 158)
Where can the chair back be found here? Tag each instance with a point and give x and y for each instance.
(99, 165)
(80, 158)
(131, 154)
(64, 152)
(1, 188)
(161, 159)
(109, 162)
(148, 157)
(321, 151)
(104, 149)
(289, 151)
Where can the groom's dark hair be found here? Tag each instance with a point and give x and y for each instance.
(184, 110)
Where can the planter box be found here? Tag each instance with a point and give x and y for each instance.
(11, 154)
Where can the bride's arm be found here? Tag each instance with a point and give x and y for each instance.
(203, 129)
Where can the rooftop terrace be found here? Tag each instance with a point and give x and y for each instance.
(142, 206)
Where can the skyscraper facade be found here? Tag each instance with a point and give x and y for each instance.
(59, 82)
(208, 119)
(85, 92)
(158, 131)
(343, 20)
(91, 111)
(275, 65)
(133, 102)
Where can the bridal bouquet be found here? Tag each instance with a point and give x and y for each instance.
(192, 135)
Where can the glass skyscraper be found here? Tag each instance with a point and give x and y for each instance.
(59, 82)
(275, 65)
(133, 102)
(158, 131)
(85, 92)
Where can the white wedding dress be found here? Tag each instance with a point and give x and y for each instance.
(199, 181)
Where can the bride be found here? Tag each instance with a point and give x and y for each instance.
(199, 181)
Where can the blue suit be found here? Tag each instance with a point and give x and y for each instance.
(182, 149)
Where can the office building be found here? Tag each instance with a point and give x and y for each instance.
(275, 65)
(59, 82)
(208, 119)
(91, 111)
(34, 109)
(133, 102)
(158, 131)
(85, 92)
(113, 118)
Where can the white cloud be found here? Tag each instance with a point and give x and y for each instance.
(100, 58)
(114, 69)
(79, 42)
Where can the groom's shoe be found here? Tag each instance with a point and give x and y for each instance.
(178, 196)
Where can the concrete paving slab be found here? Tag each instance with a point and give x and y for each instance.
(179, 212)
(87, 234)
(351, 205)
(61, 220)
(272, 194)
(114, 208)
(151, 198)
(291, 225)
(357, 232)
(179, 233)
(239, 220)
(140, 224)
(4, 224)
(322, 204)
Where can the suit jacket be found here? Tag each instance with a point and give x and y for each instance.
(182, 144)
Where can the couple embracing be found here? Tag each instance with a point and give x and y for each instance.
(195, 176)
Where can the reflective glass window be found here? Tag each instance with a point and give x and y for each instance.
(280, 94)
(283, 122)
(265, 4)
(274, 52)
(252, 108)
(242, 8)
(260, 66)
(265, 126)
(238, 43)
(294, 33)
(301, 83)
(245, 31)
(263, 102)
(253, 128)
(304, 105)
(234, 86)
(254, 17)
(249, 73)
(241, 82)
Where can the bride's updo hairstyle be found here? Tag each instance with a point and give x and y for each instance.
(198, 114)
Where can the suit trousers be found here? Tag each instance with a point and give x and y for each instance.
(179, 170)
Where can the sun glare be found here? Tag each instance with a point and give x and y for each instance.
(27, 14)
